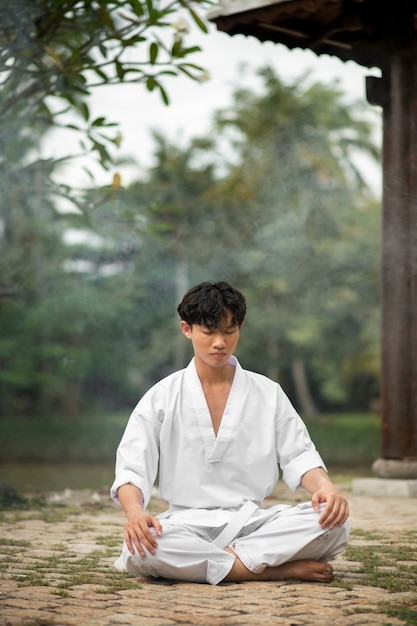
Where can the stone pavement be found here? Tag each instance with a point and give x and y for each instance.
(56, 569)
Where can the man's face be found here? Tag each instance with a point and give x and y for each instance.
(213, 346)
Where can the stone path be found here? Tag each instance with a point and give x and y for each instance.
(56, 569)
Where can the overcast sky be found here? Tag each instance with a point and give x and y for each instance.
(192, 104)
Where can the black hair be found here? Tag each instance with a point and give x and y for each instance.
(209, 303)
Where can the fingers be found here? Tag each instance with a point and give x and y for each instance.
(335, 513)
(140, 534)
(336, 510)
(135, 538)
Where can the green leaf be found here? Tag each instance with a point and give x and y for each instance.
(103, 50)
(99, 121)
(191, 50)
(151, 11)
(105, 158)
(120, 71)
(132, 41)
(100, 74)
(153, 52)
(176, 50)
(197, 19)
(186, 72)
(84, 110)
(193, 66)
(167, 73)
(137, 7)
(164, 94)
(151, 83)
(185, 69)
(89, 173)
(106, 17)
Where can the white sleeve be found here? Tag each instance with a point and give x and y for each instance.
(296, 452)
(138, 452)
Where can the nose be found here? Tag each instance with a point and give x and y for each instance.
(219, 341)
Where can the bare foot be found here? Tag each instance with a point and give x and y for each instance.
(307, 570)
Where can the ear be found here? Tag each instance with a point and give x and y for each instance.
(186, 329)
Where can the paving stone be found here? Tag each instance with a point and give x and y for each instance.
(57, 550)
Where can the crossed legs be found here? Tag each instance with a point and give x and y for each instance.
(290, 546)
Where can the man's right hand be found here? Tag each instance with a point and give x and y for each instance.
(138, 531)
(141, 527)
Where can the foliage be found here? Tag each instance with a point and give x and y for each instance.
(55, 52)
(311, 219)
(292, 223)
(286, 218)
(346, 440)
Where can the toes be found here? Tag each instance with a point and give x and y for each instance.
(327, 573)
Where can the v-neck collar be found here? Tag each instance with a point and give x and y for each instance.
(216, 445)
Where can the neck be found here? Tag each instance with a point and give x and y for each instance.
(214, 375)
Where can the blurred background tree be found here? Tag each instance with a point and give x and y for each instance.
(313, 242)
(271, 201)
(276, 207)
(53, 54)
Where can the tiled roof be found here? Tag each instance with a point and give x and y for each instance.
(359, 30)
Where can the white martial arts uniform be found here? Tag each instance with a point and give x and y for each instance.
(206, 478)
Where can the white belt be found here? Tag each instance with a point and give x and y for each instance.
(236, 524)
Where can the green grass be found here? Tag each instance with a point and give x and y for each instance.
(88, 439)
(390, 564)
(62, 572)
(391, 567)
(346, 440)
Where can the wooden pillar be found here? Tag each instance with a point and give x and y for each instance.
(398, 96)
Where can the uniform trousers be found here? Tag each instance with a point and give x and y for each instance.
(272, 537)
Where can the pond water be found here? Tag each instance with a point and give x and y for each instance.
(34, 477)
